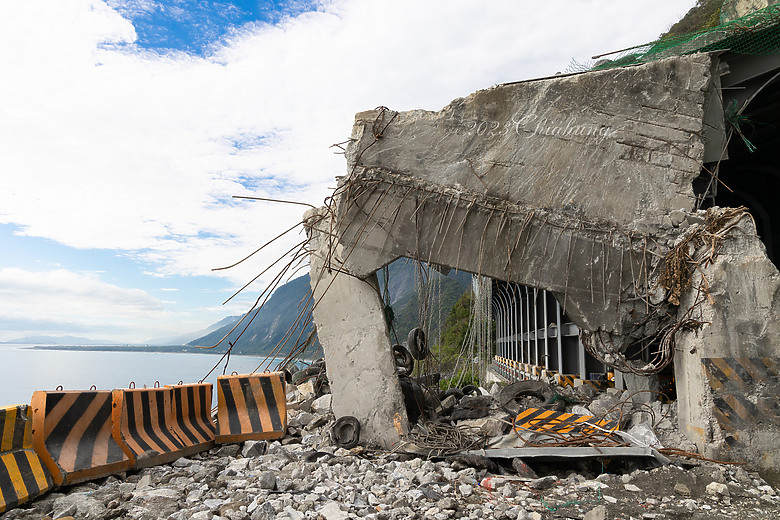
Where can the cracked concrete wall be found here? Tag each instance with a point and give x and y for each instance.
(351, 328)
(728, 372)
(580, 185)
(564, 183)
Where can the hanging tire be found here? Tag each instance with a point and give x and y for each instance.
(346, 432)
(418, 344)
(403, 358)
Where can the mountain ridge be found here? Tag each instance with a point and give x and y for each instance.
(271, 324)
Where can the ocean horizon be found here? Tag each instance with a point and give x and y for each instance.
(27, 369)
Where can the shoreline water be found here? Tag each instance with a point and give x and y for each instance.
(27, 369)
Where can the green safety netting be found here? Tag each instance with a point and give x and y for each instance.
(757, 33)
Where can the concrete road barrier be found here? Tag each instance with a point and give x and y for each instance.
(251, 406)
(22, 474)
(71, 433)
(192, 416)
(143, 426)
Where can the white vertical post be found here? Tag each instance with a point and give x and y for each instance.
(536, 321)
(546, 357)
(581, 359)
(560, 337)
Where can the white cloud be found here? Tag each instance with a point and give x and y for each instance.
(103, 145)
(62, 302)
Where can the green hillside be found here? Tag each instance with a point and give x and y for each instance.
(269, 326)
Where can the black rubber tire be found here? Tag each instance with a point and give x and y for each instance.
(471, 390)
(418, 344)
(451, 391)
(346, 432)
(403, 358)
(414, 399)
(304, 375)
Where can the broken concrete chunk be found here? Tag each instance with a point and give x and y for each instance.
(597, 513)
(522, 469)
(254, 448)
(322, 404)
(448, 403)
(716, 488)
(544, 482)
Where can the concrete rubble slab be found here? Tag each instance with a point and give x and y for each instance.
(578, 452)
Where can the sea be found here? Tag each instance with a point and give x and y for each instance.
(24, 370)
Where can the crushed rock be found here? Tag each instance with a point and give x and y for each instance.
(306, 477)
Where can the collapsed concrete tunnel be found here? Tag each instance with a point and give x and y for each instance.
(591, 190)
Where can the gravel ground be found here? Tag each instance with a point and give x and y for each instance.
(305, 477)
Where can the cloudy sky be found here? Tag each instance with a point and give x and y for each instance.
(127, 126)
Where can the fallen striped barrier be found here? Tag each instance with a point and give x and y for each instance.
(540, 420)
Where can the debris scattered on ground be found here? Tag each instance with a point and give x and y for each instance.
(305, 476)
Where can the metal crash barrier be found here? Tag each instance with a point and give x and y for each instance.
(72, 435)
(251, 406)
(22, 475)
(192, 416)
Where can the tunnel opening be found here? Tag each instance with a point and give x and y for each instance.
(749, 172)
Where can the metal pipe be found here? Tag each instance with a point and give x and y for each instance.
(536, 321)
(546, 363)
(560, 336)
(499, 350)
(528, 323)
(519, 337)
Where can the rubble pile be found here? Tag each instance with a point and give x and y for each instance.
(305, 476)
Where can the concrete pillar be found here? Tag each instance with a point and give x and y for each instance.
(645, 388)
(351, 327)
(726, 371)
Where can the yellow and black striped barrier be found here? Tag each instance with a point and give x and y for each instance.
(192, 417)
(143, 426)
(22, 475)
(251, 406)
(538, 419)
(599, 384)
(71, 433)
(565, 379)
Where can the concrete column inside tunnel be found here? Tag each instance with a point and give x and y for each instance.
(351, 327)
